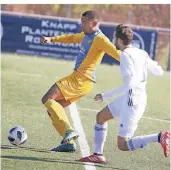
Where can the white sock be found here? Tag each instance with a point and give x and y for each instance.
(100, 137)
(141, 141)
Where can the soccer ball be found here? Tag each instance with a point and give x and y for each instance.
(17, 135)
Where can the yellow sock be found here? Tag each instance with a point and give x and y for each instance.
(58, 116)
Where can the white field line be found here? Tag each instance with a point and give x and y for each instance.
(31, 75)
(155, 119)
(82, 140)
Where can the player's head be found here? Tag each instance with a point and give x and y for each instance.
(123, 36)
(89, 22)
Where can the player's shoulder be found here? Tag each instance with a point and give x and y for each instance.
(81, 33)
(125, 55)
(141, 51)
(100, 36)
(135, 50)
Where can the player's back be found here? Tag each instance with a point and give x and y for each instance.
(138, 73)
(140, 60)
(138, 67)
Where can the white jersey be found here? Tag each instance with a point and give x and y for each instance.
(134, 66)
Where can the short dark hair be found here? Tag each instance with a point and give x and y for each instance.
(91, 14)
(125, 33)
(119, 26)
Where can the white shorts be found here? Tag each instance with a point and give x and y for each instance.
(129, 115)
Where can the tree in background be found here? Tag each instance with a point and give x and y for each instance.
(145, 15)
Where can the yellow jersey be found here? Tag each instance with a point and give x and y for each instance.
(93, 47)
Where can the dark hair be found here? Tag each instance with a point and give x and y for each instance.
(91, 15)
(125, 33)
(119, 26)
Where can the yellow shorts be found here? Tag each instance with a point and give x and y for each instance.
(75, 86)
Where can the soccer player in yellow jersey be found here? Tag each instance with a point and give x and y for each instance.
(94, 44)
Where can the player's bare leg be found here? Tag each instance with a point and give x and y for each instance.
(64, 103)
(100, 136)
(53, 93)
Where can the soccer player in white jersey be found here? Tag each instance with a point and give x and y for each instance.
(130, 106)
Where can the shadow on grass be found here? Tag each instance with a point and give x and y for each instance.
(24, 148)
(76, 162)
(62, 161)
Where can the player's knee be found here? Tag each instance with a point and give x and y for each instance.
(100, 119)
(52, 93)
(122, 144)
(97, 117)
(45, 99)
(104, 115)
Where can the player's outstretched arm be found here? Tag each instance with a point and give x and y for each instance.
(154, 67)
(109, 94)
(67, 38)
(129, 81)
(114, 92)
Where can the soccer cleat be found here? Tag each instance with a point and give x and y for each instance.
(165, 142)
(66, 147)
(69, 135)
(94, 159)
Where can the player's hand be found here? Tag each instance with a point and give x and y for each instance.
(44, 40)
(98, 98)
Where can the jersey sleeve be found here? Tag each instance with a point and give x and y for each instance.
(69, 38)
(154, 67)
(106, 45)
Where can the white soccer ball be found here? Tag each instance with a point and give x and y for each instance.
(17, 135)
